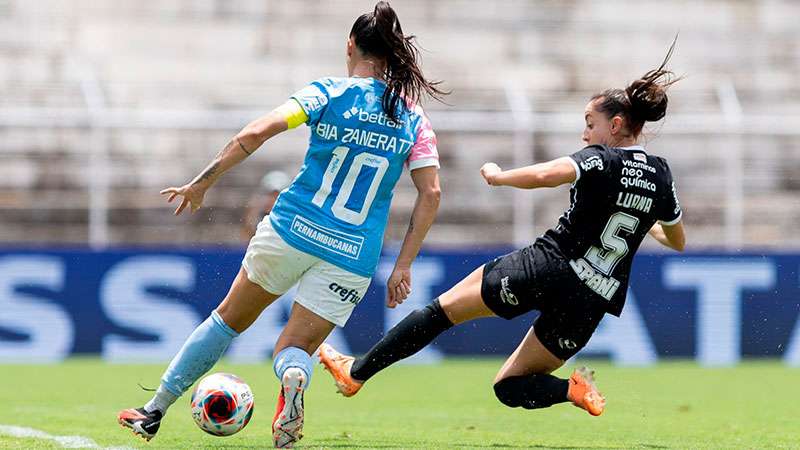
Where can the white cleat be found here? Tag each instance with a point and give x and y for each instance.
(287, 426)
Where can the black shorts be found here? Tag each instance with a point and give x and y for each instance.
(538, 277)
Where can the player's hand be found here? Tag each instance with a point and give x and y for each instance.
(398, 286)
(489, 171)
(192, 196)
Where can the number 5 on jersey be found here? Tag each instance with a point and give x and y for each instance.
(339, 208)
(614, 246)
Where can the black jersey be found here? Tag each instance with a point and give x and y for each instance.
(618, 195)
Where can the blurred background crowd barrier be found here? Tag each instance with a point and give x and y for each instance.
(102, 104)
(139, 305)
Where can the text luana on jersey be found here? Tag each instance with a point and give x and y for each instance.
(634, 201)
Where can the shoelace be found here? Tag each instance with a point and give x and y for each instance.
(145, 389)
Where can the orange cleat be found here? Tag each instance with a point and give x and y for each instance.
(339, 366)
(584, 394)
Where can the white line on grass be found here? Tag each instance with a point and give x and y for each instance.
(64, 441)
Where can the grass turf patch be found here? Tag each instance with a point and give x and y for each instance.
(671, 405)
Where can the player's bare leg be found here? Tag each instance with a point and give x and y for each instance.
(524, 380)
(304, 332)
(240, 308)
(528, 358)
(244, 303)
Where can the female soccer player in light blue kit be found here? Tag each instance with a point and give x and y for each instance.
(325, 231)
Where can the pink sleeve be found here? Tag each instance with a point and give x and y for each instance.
(424, 152)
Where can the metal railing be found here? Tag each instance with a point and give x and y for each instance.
(520, 120)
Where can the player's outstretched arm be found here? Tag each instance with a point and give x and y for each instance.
(426, 180)
(548, 174)
(672, 236)
(240, 147)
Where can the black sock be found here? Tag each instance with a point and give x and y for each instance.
(531, 391)
(411, 335)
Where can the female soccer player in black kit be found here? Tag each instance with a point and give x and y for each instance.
(574, 274)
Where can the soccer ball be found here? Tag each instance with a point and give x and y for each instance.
(222, 404)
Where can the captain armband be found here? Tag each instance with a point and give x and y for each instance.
(293, 113)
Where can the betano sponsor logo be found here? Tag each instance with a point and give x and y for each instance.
(379, 118)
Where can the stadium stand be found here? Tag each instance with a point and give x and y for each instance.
(140, 95)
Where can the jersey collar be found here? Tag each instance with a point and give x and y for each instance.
(637, 148)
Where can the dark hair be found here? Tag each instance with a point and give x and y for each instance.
(379, 34)
(644, 100)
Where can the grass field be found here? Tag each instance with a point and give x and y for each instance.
(672, 405)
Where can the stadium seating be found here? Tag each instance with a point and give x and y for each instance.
(143, 94)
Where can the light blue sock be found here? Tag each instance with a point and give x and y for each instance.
(293, 357)
(198, 355)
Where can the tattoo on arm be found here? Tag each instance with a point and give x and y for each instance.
(241, 146)
(209, 172)
(228, 148)
(213, 169)
(411, 226)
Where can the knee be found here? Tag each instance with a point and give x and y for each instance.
(434, 309)
(507, 391)
(436, 313)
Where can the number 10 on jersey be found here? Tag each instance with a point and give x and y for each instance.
(340, 211)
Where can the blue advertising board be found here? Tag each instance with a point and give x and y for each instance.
(140, 304)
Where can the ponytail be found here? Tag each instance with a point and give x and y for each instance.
(644, 100)
(379, 34)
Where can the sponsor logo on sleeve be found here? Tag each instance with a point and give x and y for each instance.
(350, 112)
(592, 162)
(677, 203)
(312, 98)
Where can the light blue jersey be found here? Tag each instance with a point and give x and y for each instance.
(338, 205)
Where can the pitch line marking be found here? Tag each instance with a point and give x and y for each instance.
(64, 441)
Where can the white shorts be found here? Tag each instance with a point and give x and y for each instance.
(324, 289)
